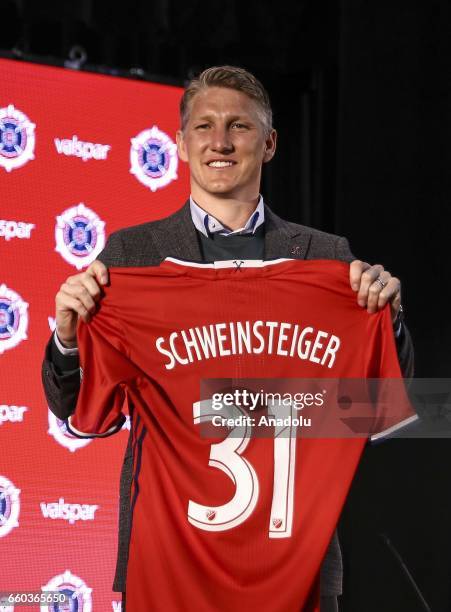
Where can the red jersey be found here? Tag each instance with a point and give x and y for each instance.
(241, 523)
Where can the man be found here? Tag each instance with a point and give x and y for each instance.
(226, 135)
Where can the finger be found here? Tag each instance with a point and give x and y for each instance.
(75, 305)
(80, 293)
(391, 293)
(367, 279)
(87, 282)
(99, 271)
(378, 287)
(356, 268)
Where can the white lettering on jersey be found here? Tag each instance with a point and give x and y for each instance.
(227, 457)
(237, 337)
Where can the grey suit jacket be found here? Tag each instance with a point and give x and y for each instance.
(175, 236)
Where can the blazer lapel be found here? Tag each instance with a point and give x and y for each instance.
(176, 236)
(283, 239)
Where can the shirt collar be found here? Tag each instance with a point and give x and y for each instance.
(207, 224)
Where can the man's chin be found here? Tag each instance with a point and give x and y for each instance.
(220, 190)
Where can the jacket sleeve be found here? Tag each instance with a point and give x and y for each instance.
(61, 380)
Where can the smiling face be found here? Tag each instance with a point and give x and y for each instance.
(225, 145)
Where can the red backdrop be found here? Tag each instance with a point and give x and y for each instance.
(66, 140)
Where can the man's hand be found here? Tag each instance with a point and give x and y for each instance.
(77, 297)
(375, 287)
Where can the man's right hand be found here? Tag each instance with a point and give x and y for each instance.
(78, 296)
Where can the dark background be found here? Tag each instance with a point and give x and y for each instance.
(361, 96)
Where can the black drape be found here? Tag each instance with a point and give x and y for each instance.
(393, 195)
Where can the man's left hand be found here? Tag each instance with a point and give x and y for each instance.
(375, 287)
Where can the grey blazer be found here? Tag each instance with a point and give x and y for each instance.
(175, 236)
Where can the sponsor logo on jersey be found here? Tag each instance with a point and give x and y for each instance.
(57, 429)
(68, 512)
(15, 229)
(79, 148)
(153, 158)
(9, 506)
(13, 319)
(17, 138)
(79, 235)
(13, 414)
(76, 590)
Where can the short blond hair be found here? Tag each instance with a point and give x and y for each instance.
(230, 77)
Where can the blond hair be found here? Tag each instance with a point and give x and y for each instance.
(230, 77)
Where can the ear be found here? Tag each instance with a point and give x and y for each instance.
(181, 148)
(270, 146)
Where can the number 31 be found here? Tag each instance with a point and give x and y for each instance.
(227, 457)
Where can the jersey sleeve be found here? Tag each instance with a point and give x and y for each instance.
(394, 409)
(107, 374)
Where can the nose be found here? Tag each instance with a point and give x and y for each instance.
(220, 140)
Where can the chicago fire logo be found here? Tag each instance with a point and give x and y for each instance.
(77, 593)
(13, 319)
(79, 235)
(16, 138)
(153, 158)
(9, 506)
